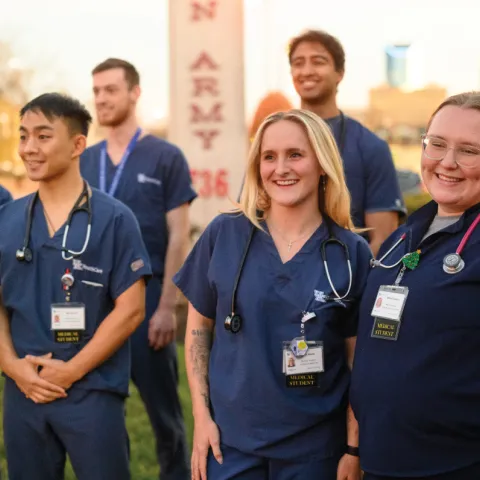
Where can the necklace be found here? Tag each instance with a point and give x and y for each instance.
(49, 222)
(291, 242)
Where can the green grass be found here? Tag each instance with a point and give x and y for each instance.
(143, 460)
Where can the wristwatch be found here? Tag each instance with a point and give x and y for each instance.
(354, 451)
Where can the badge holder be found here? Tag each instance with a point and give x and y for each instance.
(68, 319)
(302, 360)
(387, 311)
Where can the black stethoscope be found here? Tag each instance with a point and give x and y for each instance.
(452, 263)
(233, 323)
(25, 254)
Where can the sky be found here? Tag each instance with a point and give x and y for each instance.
(63, 39)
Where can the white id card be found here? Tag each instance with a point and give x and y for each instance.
(68, 316)
(312, 362)
(390, 302)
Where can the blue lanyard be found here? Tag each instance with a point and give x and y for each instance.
(121, 166)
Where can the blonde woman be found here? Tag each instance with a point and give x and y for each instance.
(261, 294)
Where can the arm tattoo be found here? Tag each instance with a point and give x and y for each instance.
(199, 356)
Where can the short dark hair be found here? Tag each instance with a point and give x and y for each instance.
(331, 44)
(57, 105)
(131, 74)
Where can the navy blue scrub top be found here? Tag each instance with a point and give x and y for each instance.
(114, 260)
(5, 196)
(251, 404)
(369, 171)
(417, 399)
(156, 179)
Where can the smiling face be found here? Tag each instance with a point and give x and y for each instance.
(314, 74)
(289, 169)
(115, 100)
(454, 187)
(47, 146)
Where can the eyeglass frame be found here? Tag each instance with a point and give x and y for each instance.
(425, 139)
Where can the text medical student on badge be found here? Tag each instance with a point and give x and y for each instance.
(317, 65)
(72, 268)
(275, 281)
(151, 176)
(416, 380)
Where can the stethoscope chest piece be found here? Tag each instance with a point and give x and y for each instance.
(453, 263)
(24, 255)
(233, 323)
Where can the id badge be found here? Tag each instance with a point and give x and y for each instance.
(303, 371)
(387, 311)
(68, 322)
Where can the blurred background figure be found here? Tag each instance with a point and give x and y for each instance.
(150, 176)
(317, 63)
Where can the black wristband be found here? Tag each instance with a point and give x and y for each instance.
(354, 451)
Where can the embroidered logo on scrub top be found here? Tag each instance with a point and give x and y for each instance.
(320, 296)
(78, 265)
(142, 178)
(137, 265)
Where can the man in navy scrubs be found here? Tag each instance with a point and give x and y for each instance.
(152, 177)
(317, 63)
(5, 196)
(72, 270)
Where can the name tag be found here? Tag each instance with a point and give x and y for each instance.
(387, 311)
(303, 371)
(68, 322)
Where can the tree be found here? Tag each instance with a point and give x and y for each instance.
(14, 78)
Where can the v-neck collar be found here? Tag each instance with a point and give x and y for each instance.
(312, 242)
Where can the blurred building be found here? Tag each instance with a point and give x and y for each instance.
(395, 112)
(396, 63)
(10, 163)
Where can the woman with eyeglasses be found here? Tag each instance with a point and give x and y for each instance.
(416, 379)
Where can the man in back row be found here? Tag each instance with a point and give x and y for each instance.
(151, 176)
(317, 65)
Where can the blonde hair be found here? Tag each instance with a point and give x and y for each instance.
(334, 202)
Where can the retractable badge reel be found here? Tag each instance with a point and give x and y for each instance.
(67, 281)
(298, 345)
(68, 319)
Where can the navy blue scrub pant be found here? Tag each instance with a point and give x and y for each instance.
(468, 473)
(89, 426)
(241, 466)
(155, 374)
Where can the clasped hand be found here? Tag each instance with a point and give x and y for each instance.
(46, 384)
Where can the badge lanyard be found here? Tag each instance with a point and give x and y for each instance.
(120, 168)
(390, 301)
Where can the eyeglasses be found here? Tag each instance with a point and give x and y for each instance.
(466, 156)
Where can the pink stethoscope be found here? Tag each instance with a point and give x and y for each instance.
(452, 263)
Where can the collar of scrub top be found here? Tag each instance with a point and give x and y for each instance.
(120, 167)
(420, 221)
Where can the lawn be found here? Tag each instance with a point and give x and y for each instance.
(143, 461)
